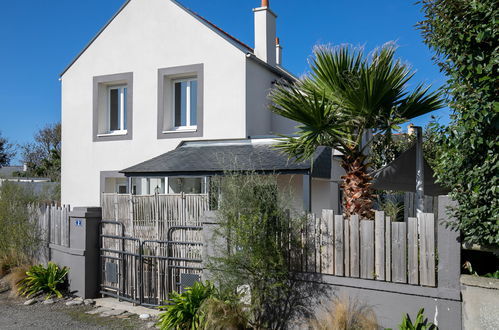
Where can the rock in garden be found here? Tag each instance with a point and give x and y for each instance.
(88, 302)
(99, 310)
(48, 302)
(30, 302)
(74, 302)
(113, 312)
(144, 316)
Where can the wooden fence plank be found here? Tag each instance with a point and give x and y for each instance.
(427, 252)
(367, 249)
(388, 249)
(311, 246)
(318, 244)
(330, 241)
(346, 253)
(399, 259)
(325, 240)
(354, 246)
(379, 245)
(338, 246)
(412, 251)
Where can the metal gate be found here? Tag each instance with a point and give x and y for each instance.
(145, 272)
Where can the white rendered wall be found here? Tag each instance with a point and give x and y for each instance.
(146, 36)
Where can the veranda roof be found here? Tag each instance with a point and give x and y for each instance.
(400, 175)
(208, 158)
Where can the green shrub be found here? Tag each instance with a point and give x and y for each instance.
(182, 312)
(421, 323)
(50, 280)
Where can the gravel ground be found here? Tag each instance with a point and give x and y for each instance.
(14, 315)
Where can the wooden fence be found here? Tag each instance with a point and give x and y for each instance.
(379, 249)
(149, 217)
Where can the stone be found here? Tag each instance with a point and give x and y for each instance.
(113, 312)
(151, 325)
(74, 302)
(98, 310)
(49, 301)
(144, 316)
(89, 302)
(30, 302)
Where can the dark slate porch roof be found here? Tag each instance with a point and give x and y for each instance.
(207, 158)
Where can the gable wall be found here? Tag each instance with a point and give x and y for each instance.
(146, 36)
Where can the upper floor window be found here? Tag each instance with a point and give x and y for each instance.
(185, 103)
(112, 103)
(180, 101)
(117, 96)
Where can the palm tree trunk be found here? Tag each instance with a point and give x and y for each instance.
(357, 192)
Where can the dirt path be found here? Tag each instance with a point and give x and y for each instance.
(58, 316)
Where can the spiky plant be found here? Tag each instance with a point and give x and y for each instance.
(347, 96)
(49, 280)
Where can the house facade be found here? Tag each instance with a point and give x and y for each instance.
(158, 75)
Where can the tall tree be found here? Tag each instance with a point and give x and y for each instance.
(43, 157)
(465, 38)
(7, 151)
(346, 97)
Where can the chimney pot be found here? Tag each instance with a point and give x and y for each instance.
(277, 41)
(265, 3)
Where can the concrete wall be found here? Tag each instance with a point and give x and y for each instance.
(146, 36)
(480, 303)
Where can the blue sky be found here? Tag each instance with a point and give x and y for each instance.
(39, 38)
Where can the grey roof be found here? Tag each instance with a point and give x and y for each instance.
(216, 157)
(400, 175)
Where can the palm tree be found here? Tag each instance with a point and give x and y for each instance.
(346, 100)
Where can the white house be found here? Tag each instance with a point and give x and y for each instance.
(158, 76)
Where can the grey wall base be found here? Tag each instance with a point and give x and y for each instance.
(82, 255)
(391, 301)
(480, 302)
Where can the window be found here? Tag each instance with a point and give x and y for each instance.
(112, 107)
(180, 102)
(185, 103)
(117, 109)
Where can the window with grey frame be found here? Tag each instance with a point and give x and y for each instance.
(185, 103)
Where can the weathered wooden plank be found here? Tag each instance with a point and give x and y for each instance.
(311, 238)
(412, 251)
(318, 244)
(388, 249)
(427, 251)
(329, 217)
(326, 258)
(399, 259)
(367, 249)
(354, 246)
(346, 252)
(339, 264)
(379, 245)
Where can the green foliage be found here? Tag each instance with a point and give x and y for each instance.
(347, 96)
(464, 36)
(43, 157)
(421, 323)
(6, 151)
(50, 280)
(19, 236)
(493, 275)
(182, 312)
(254, 245)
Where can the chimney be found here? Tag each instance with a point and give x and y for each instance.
(278, 52)
(265, 33)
